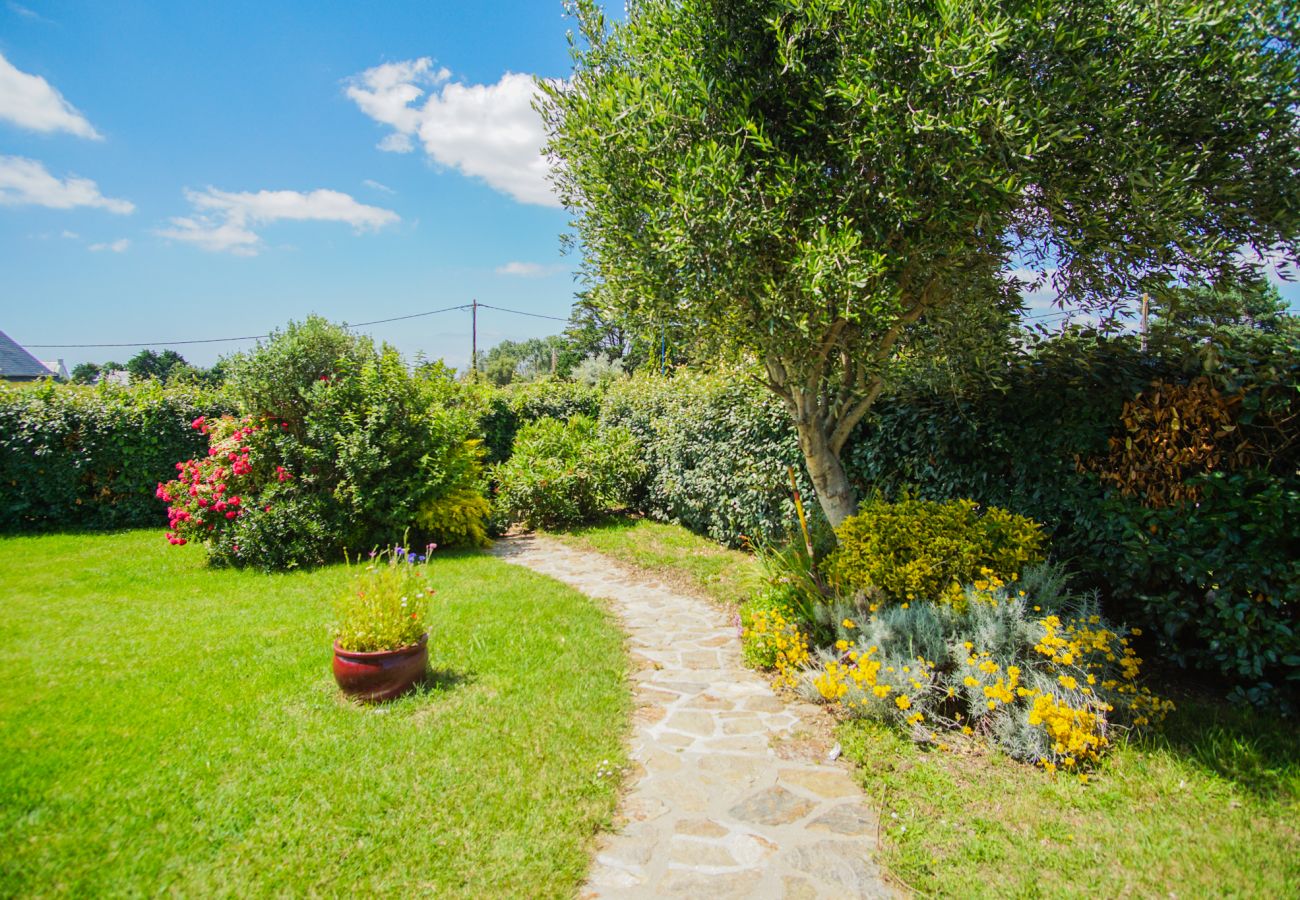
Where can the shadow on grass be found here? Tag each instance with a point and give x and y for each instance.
(1256, 750)
(440, 681)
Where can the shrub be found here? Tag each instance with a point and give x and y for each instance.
(457, 520)
(503, 411)
(719, 449)
(566, 473)
(1219, 579)
(365, 452)
(1172, 433)
(76, 457)
(920, 549)
(1034, 670)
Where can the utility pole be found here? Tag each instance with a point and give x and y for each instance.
(473, 339)
(1146, 303)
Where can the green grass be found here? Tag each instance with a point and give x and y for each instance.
(166, 728)
(674, 554)
(1208, 807)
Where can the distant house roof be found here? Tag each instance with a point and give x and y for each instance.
(57, 368)
(17, 364)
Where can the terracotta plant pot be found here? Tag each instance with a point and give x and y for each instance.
(383, 674)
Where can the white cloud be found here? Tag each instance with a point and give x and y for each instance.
(26, 13)
(118, 246)
(70, 235)
(488, 131)
(375, 185)
(224, 221)
(396, 143)
(25, 182)
(529, 269)
(29, 101)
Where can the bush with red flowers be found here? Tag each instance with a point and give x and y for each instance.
(340, 446)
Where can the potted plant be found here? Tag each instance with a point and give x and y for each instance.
(381, 641)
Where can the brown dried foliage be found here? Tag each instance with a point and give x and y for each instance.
(1172, 432)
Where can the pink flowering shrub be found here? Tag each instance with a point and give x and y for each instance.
(341, 447)
(226, 497)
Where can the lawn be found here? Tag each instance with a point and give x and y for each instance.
(170, 728)
(1209, 806)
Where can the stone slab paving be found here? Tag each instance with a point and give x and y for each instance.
(720, 800)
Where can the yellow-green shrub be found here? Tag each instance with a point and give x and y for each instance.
(456, 520)
(925, 550)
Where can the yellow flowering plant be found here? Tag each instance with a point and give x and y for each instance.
(1028, 667)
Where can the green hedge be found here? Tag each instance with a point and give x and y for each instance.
(78, 457)
(719, 449)
(504, 410)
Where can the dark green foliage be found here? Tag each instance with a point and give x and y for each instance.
(1218, 580)
(1016, 447)
(76, 457)
(719, 449)
(294, 530)
(85, 373)
(567, 473)
(159, 366)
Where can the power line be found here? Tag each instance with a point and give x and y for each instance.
(520, 312)
(251, 337)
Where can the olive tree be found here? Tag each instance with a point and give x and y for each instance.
(800, 182)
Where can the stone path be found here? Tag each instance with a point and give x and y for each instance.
(722, 801)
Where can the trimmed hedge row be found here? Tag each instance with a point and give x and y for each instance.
(719, 450)
(79, 457)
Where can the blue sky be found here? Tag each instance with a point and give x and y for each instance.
(181, 116)
(173, 171)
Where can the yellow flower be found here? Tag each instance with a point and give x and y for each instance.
(848, 623)
(902, 701)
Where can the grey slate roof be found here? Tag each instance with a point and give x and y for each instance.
(15, 362)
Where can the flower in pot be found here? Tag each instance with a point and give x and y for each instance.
(381, 641)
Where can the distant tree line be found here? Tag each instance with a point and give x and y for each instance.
(168, 367)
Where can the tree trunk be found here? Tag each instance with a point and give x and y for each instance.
(834, 492)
